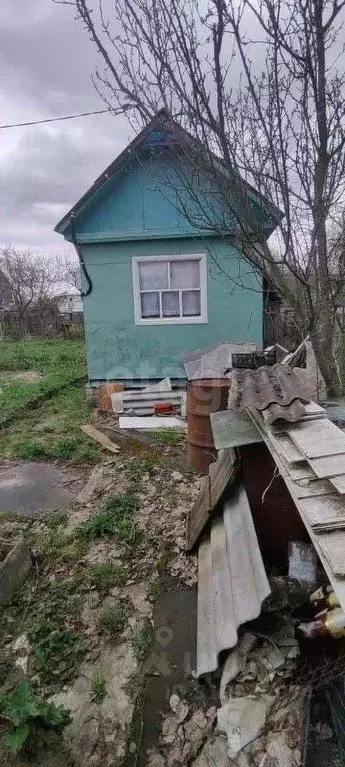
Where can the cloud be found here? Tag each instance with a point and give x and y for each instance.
(46, 61)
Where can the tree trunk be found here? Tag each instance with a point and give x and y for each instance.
(326, 348)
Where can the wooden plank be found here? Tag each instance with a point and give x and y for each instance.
(151, 422)
(220, 474)
(99, 437)
(199, 514)
(317, 439)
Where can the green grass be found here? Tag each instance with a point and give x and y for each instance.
(138, 467)
(143, 640)
(30, 451)
(56, 519)
(156, 587)
(107, 575)
(112, 620)
(55, 547)
(116, 518)
(98, 689)
(52, 630)
(41, 355)
(42, 419)
(52, 431)
(168, 436)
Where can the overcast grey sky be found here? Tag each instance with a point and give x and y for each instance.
(46, 61)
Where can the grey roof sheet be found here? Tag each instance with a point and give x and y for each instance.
(293, 412)
(232, 581)
(233, 429)
(267, 387)
(324, 514)
(212, 361)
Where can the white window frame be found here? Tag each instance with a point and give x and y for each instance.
(196, 320)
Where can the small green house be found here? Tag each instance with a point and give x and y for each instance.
(156, 282)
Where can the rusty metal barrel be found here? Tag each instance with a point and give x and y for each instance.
(204, 396)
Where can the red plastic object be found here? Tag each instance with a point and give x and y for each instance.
(164, 408)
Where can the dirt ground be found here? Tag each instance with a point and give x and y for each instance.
(81, 629)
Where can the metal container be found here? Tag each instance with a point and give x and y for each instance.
(204, 396)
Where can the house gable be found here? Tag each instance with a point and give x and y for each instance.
(150, 191)
(148, 198)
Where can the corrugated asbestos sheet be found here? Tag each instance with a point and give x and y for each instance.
(232, 581)
(276, 390)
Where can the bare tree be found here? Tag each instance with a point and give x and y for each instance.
(259, 85)
(34, 279)
(71, 272)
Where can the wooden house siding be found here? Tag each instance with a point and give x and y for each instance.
(119, 349)
(136, 209)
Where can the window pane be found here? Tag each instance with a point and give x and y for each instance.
(185, 274)
(153, 276)
(191, 303)
(149, 304)
(170, 304)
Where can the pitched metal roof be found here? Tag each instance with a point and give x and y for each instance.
(277, 390)
(232, 581)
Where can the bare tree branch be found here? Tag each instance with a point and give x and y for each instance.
(265, 109)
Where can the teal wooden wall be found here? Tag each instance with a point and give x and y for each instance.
(137, 212)
(147, 199)
(119, 349)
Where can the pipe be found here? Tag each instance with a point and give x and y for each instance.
(86, 292)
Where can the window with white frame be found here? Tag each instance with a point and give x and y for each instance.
(170, 289)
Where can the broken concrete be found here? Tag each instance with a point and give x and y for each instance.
(235, 663)
(97, 734)
(242, 719)
(30, 488)
(214, 754)
(14, 569)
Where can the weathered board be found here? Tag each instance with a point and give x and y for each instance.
(317, 439)
(300, 471)
(213, 486)
(220, 474)
(99, 437)
(329, 546)
(199, 515)
(332, 546)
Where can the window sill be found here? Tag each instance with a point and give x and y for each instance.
(173, 321)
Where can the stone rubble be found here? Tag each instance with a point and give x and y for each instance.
(257, 728)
